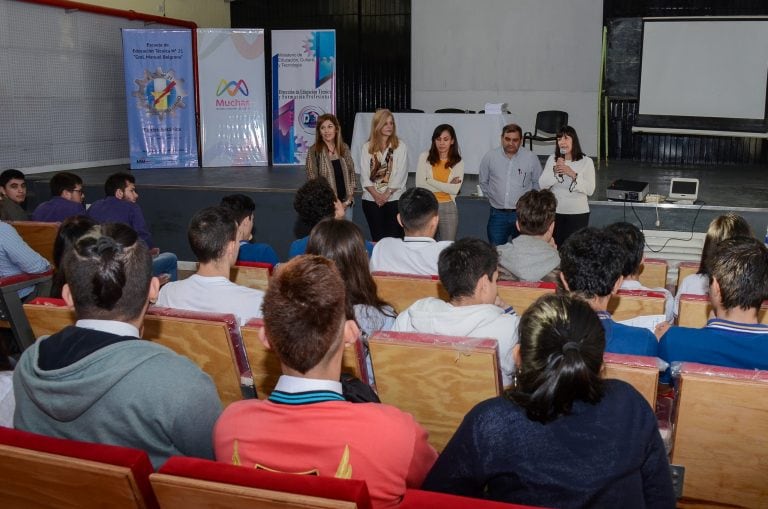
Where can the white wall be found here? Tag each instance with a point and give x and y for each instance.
(531, 54)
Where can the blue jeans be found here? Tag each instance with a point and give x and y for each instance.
(501, 226)
(165, 263)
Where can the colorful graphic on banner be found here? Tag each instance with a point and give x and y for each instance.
(303, 88)
(233, 114)
(160, 92)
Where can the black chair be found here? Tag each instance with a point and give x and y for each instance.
(11, 309)
(452, 110)
(548, 122)
(409, 110)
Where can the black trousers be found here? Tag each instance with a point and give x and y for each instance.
(567, 224)
(382, 221)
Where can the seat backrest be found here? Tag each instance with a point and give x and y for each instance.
(39, 236)
(451, 110)
(639, 371)
(654, 273)
(437, 379)
(720, 434)
(550, 121)
(251, 274)
(48, 316)
(265, 366)
(46, 472)
(402, 290)
(521, 294)
(685, 269)
(193, 483)
(695, 310)
(209, 340)
(632, 303)
(420, 499)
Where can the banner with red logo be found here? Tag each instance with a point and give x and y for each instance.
(160, 91)
(303, 88)
(230, 66)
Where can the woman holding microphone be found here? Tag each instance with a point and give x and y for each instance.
(570, 175)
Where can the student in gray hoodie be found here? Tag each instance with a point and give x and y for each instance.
(96, 380)
(468, 272)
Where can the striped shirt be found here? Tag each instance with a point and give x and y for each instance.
(16, 257)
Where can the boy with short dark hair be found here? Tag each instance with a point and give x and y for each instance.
(13, 193)
(67, 197)
(243, 207)
(417, 253)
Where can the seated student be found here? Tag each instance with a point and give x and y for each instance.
(532, 256)
(7, 401)
(66, 199)
(342, 242)
(739, 272)
(723, 227)
(314, 201)
(213, 238)
(119, 206)
(13, 193)
(468, 270)
(563, 436)
(97, 381)
(416, 253)
(633, 241)
(242, 207)
(591, 262)
(305, 426)
(16, 257)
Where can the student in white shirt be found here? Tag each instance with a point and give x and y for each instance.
(417, 253)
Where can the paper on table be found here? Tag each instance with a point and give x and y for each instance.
(494, 108)
(646, 321)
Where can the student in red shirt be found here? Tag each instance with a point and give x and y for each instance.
(306, 426)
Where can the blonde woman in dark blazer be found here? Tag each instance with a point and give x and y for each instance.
(330, 158)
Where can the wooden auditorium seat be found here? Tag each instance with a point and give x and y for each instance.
(39, 236)
(437, 379)
(402, 290)
(695, 311)
(639, 371)
(265, 366)
(654, 273)
(632, 303)
(251, 274)
(193, 483)
(47, 316)
(210, 340)
(685, 269)
(420, 499)
(521, 294)
(720, 436)
(53, 473)
(11, 310)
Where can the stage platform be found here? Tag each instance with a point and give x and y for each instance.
(169, 197)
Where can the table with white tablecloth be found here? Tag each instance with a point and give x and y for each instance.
(476, 134)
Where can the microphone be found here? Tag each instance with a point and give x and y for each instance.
(558, 154)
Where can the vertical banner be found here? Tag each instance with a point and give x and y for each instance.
(230, 66)
(160, 92)
(303, 88)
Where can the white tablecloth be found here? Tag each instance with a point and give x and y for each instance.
(476, 134)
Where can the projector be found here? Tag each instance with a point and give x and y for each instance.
(627, 190)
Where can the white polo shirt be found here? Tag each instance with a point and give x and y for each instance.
(411, 255)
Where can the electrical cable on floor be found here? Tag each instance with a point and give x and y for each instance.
(642, 228)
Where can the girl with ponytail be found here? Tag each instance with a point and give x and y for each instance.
(562, 436)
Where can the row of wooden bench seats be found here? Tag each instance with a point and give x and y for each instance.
(402, 290)
(439, 379)
(53, 473)
(695, 310)
(719, 439)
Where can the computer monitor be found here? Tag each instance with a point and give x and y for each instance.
(682, 190)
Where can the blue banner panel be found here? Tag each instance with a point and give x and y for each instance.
(160, 94)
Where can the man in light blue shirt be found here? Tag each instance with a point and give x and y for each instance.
(16, 257)
(507, 173)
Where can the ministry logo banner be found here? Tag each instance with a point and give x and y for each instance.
(160, 92)
(233, 117)
(303, 88)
